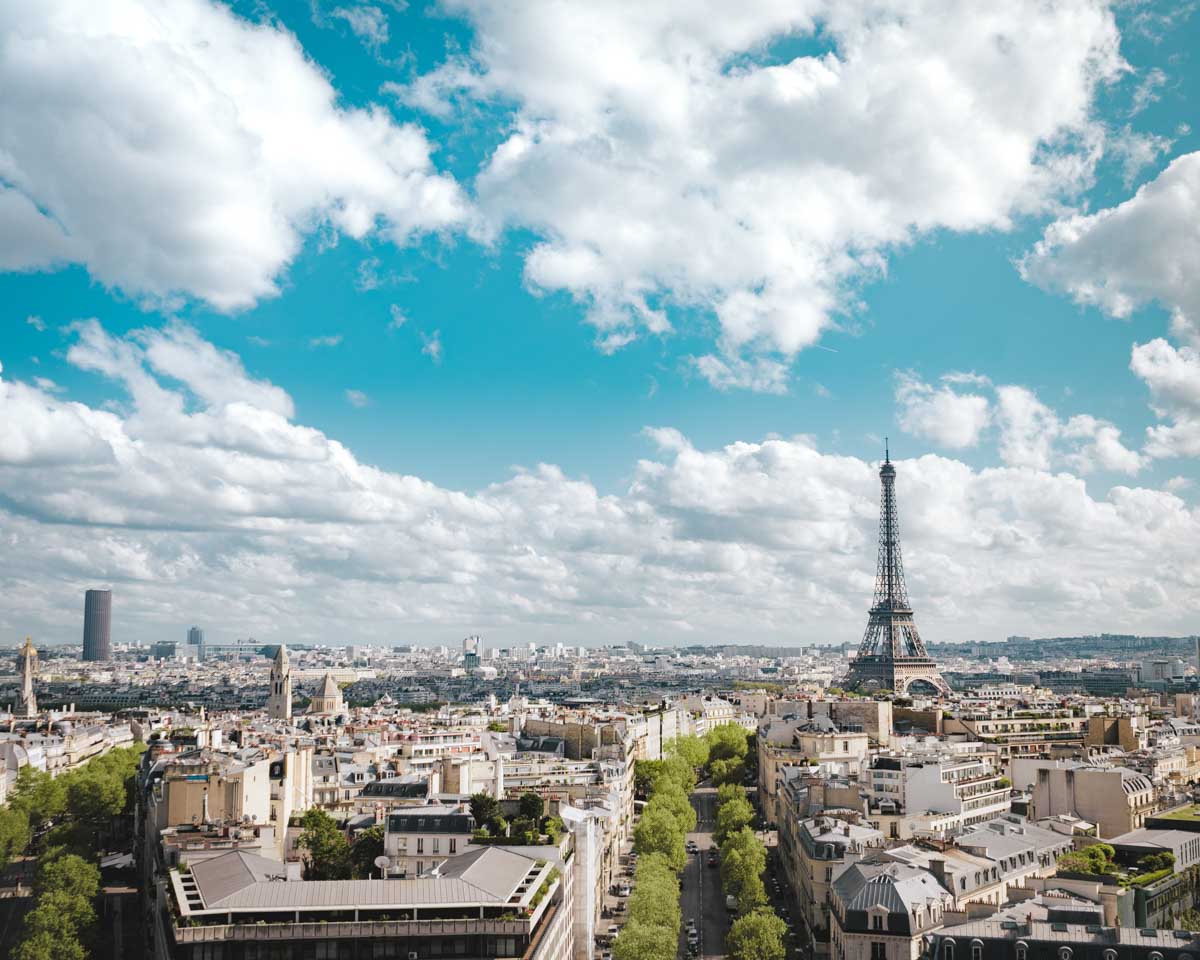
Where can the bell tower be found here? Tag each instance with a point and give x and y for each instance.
(279, 700)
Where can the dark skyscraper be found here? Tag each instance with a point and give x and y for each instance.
(196, 639)
(97, 622)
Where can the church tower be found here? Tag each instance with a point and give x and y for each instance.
(27, 662)
(279, 702)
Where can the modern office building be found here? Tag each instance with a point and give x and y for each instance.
(486, 904)
(196, 639)
(97, 625)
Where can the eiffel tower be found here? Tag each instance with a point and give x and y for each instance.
(892, 656)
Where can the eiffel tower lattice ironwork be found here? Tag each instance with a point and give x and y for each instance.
(892, 655)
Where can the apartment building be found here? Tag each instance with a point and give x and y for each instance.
(884, 911)
(1116, 799)
(1021, 938)
(805, 741)
(967, 789)
(812, 851)
(1016, 733)
(418, 838)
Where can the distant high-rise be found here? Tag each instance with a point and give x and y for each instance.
(97, 625)
(196, 639)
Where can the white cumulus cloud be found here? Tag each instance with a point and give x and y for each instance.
(174, 162)
(950, 419)
(1121, 258)
(1173, 376)
(667, 157)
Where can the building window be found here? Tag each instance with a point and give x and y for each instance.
(437, 845)
(976, 950)
(420, 844)
(454, 845)
(948, 950)
(878, 951)
(1064, 953)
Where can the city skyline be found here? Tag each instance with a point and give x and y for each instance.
(482, 336)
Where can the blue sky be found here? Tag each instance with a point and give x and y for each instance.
(498, 362)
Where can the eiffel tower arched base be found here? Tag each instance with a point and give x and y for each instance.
(875, 672)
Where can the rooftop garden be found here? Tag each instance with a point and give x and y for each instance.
(1183, 813)
(1098, 860)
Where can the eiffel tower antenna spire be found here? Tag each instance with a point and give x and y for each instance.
(892, 655)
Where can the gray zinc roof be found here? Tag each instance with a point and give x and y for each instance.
(894, 886)
(243, 881)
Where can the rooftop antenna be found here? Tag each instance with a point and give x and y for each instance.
(886, 456)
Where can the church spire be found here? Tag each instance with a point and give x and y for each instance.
(279, 700)
(26, 699)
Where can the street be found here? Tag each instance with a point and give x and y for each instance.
(700, 893)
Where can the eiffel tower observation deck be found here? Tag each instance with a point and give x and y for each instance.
(892, 655)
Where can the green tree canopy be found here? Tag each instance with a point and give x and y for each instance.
(757, 936)
(658, 832)
(38, 795)
(726, 742)
(645, 774)
(328, 849)
(670, 797)
(14, 834)
(46, 946)
(366, 847)
(69, 874)
(95, 796)
(690, 748)
(531, 806)
(727, 792)
(641, 941)
(655, 900)
(743, 859)
(732, 816)
(679, 770)
(484, 808)
(1095, 859)
(727, 771)
(524, 830)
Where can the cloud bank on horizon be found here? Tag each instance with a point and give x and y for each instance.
(201, 490)
(739, 179)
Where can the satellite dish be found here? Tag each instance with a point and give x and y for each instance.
(383, 863)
